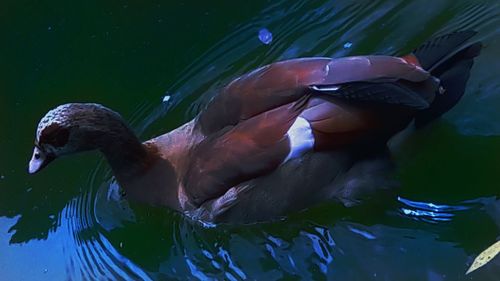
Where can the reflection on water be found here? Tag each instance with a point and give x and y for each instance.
(97, 235)
(430, 212)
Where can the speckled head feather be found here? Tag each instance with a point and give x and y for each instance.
(75, 127)
(56, 116)
(57, 131)
(53, 131)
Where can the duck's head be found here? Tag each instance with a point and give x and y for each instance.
(71, 128)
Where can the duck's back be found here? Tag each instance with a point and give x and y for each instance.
(281, 83)
(283, 132)
(284, 110)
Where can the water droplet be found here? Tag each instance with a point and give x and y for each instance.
(166, 98)
(49, 28)
(52, 217)
(29, 189)
(121, 244)
(265, 36)
(2, 177)
(347, 45)
(45, 270)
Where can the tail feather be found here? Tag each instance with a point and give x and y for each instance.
(450, 59)
(434, 51)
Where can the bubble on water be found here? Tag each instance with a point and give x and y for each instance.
(347, 45)
(265, 36)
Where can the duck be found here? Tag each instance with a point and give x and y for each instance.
(279, 139)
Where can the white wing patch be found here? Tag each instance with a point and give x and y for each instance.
(325, 88)
(301, 138)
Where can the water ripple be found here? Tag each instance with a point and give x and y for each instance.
(431, 212)
(292, 250)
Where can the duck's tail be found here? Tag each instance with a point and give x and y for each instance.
(450, 59)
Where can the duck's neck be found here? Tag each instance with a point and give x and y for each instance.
(126, 154)
(142, 173)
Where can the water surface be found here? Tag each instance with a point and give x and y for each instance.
(63, 223)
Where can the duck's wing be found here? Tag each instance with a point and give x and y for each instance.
(252, 126)
(251, 148)
(261, 90)
(284, 82)
(413, 95)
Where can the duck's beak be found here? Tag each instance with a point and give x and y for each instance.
(38, 160)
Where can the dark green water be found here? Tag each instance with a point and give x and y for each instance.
(60, 224)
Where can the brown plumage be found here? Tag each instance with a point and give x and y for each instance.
(278, 139)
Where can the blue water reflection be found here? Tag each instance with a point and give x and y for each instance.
(431, 212)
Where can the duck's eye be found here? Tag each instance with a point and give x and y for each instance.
(37, 155)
